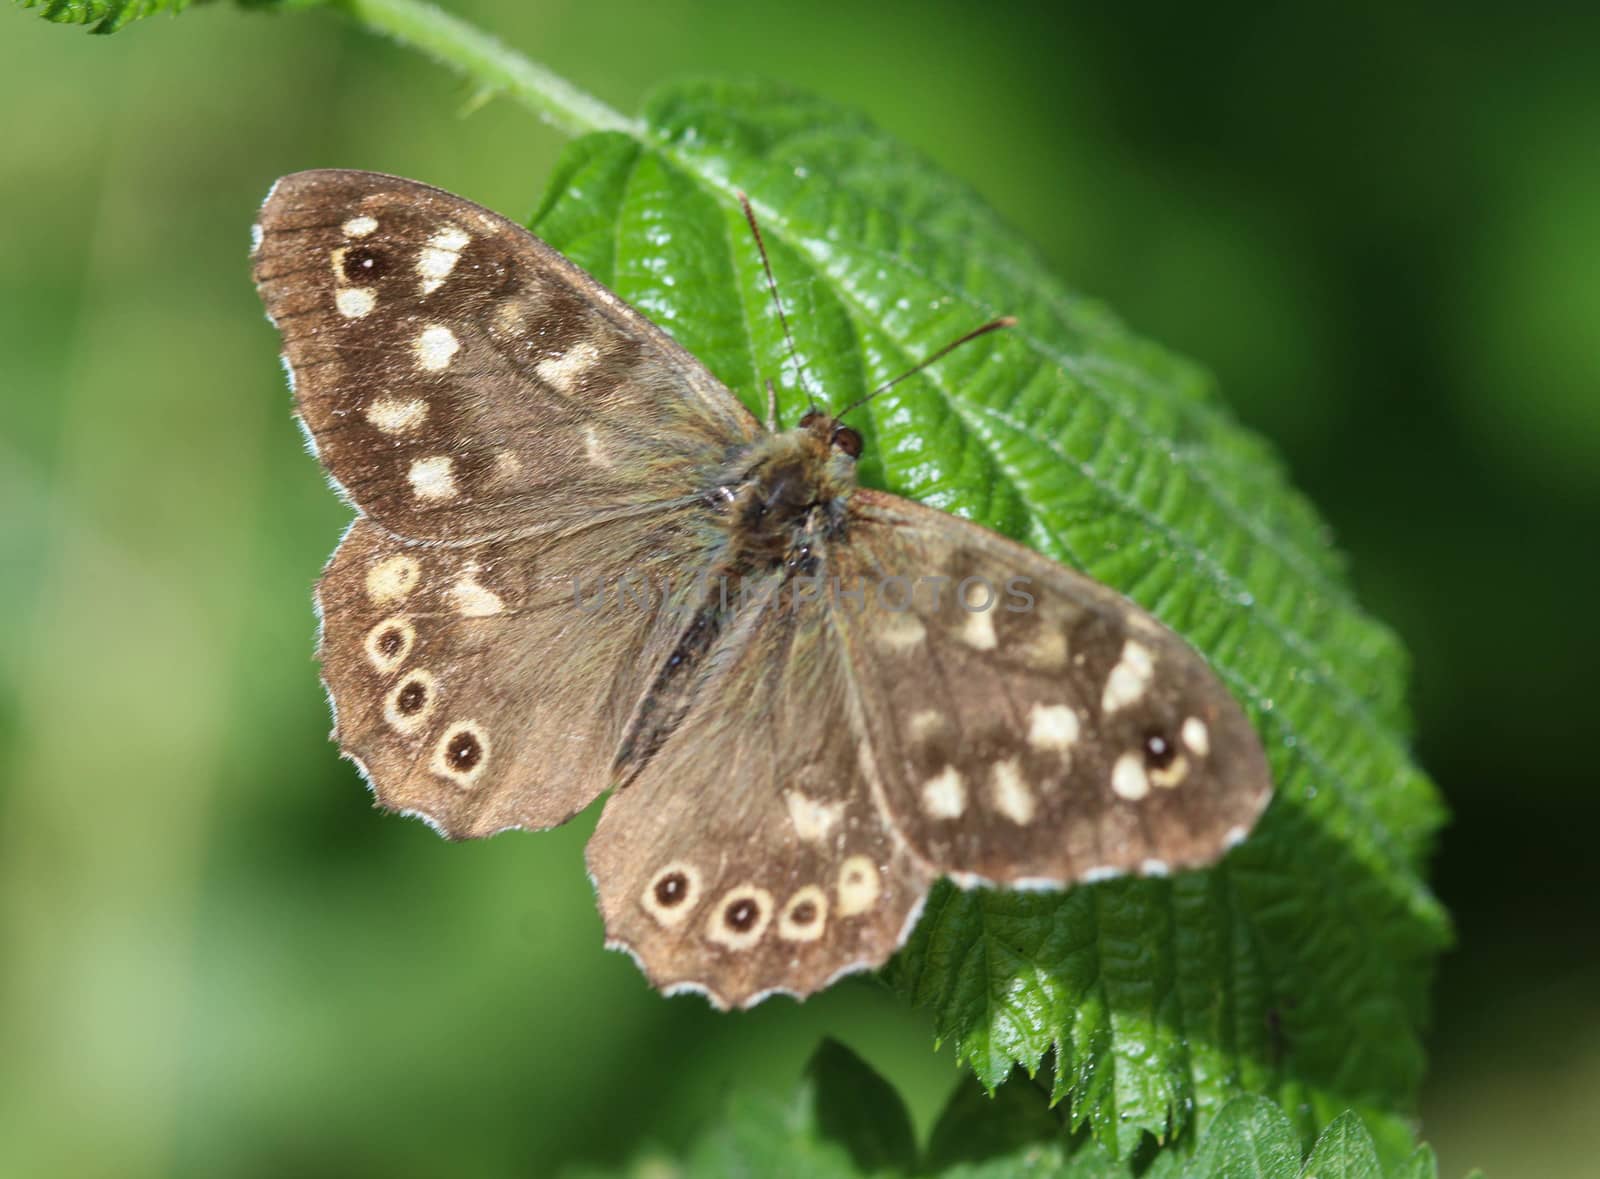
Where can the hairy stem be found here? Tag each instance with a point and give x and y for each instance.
(488, 62)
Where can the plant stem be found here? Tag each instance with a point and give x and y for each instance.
(487, 61)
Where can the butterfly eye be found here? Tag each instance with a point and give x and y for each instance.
(363, 263)
(847, 440)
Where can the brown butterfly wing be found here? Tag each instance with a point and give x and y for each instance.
(460, 379)
(750, 855)
(1068, 738)
(464, 383)
(486, 686)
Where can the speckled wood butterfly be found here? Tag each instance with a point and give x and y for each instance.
(579, 564)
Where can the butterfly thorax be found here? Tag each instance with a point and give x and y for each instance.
(787, 497)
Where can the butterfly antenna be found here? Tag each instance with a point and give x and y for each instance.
(993, 325)
(772, 285)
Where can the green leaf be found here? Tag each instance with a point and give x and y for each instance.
(1343, 1151)
(1421, 1165)
(1251, 1138)
(107, 16)
(1013, 1135)
(977, 1132)
(814, 1135)
(854, 1106)
(1300, 966)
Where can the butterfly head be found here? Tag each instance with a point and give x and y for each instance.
(837, 437)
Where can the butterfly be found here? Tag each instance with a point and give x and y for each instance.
(579, 564)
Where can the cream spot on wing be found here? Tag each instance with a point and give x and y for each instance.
(1046, 650)
(900, 631)
(1103, 872)
(944, 796)
(508, 318)
(1196, 736)
(805, 915)
(392, 578)
(410, 702)
(1128, 779)
(859, 885)
(440, 255)
(977, 595)
(433, 478)
(1053, 727)
(594, 448)
(388, 643)
(472, 599)
(673, 893)
(812, 820)
(1235, 836)
(563, 372)
(977, 630)
(435, 346)
(360, 226)
(1129, 678)
(506, 464)
(1173, 775)
(1011, 795)
(461, 754)
(394, 416)
(925, 724)
(354, 302)
(255, 237)
(739, 919)
(1154, 868)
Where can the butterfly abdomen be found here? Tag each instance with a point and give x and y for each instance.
(670, 693)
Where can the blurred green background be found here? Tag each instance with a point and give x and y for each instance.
(1381, 229)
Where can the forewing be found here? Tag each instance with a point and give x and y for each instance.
(751, 855)
(485, 686)
(1066, 738)
(460, 379)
